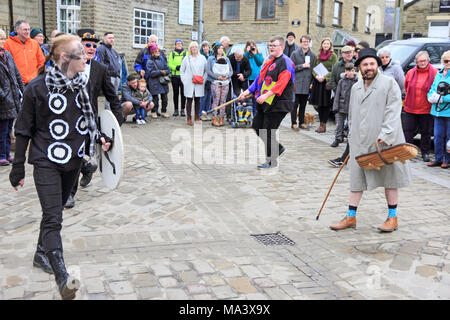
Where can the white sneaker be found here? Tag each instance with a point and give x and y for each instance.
(143, 121)
(154, 115)
(138, 121)
(165, 115)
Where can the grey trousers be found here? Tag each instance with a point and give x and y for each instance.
(340, 119)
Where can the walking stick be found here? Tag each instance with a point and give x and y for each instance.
(323, 204)
(225, 104)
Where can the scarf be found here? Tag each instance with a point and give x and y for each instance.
(324, 55)
(411, 93)
(384, 66)
(57, 82)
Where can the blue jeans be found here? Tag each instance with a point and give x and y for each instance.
(5, 137)
(441, 137)
(205, 101)
(140, 113)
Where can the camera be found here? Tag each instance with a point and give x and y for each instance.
(252, 48)
(443, 88)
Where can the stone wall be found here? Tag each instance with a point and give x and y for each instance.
(28, 10)
(414, 17)
(248, 28)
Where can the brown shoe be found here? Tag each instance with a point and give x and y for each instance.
(197, 118)
(221, 121)
(215, 122)
(347, 222)
(389, 225)
(189, 120)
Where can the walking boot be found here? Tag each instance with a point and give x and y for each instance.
(389, 225)
(67, 285)
(347, 222)
(189, 120)
(321, 128)
(41, 261)
(221, 121)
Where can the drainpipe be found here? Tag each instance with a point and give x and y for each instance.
(43, 18)
(307, 19)
(200, 23)
(11, 16)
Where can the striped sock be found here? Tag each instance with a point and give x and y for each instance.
(392, 211)
(351, 211)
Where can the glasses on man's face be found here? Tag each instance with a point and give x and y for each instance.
(88, 45)
(305, 41)
(446, 61)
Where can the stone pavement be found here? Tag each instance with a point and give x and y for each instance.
(184, 231)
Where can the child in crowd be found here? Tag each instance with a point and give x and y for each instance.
(142, 94)
(246, 106)
(342, 100)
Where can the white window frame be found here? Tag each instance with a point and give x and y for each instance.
(158, 32)
(367, 24)
(76, 24)
(355, 18)
(337, 20)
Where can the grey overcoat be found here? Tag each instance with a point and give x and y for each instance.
(189, 67)
(375, 114)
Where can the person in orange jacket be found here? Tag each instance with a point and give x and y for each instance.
(26, 52)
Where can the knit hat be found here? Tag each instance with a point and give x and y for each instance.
(152, 47)
(34, 32)
(179, 40)
(368, 53)
(87, 34)
(216, 46)
(290, 33)
(351, 43)
(205, 43)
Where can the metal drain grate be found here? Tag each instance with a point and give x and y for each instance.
(273, 239)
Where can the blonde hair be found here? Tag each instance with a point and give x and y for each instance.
(192, 44)
(2, 33)
(58, 46)
(142, 82)
(446, 54)
(329, 40)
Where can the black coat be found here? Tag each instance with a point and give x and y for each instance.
(99, 81)
(245, 69)
(11, 88)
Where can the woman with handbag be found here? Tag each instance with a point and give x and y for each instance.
(321, 91)
(158, 80)
(193, 75)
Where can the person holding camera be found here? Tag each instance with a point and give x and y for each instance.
(256, 60)
(439, 96)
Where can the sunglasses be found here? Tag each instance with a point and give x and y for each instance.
(88, 35)
(75, 57)
(88, 45)
(446, 61)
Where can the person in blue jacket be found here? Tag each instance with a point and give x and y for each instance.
(157, 68)
(441, 112)
(256, 60)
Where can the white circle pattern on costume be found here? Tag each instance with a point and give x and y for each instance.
(59, 129)
(59, 152)
(81, 150)
(57, 103)
(81, 125)
(77, 102)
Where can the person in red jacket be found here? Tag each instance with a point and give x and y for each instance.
(26, 52)
(417, 108)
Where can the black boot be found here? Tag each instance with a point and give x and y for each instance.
(175, 113)
(67, 285)
(183, 114)
(88, 170)
(70, 203)
(41, 261)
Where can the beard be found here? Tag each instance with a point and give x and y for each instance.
(290, 42)
(369, 74)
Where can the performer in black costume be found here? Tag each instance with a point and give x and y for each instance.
(58, 118)
(98, 81)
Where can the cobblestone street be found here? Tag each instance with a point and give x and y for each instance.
(184, 230)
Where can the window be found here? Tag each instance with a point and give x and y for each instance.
(320, 11)
(435, 52)
(368, 18)
(265, 9)
(230, 9)
(355, 19)
(147, 23)
(68, 15)
(337, 13)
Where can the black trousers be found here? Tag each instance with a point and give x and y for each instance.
(164, 101)
(324, 113)
(424, 122)
(300, 104)
(178, 89)
(266, 125)
(189, 106)
(82, 170)
(53, 185)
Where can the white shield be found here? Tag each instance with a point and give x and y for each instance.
(111, 162)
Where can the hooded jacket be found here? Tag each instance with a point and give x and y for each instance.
(11, 88)
(28, 56)
(110, 57)
(343, 89)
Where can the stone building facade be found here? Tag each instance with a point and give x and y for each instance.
(427, 17)
(324, 18)
(132, 21)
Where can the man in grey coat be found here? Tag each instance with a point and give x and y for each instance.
(374, 117)
(302, 58)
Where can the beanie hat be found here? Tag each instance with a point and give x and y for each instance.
(205, 43)
(179, 40)
(351, 43)
(290, 33)
(216, 46)
(152, 47)
(34, 32)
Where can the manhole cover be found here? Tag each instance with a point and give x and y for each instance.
(273, 239)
